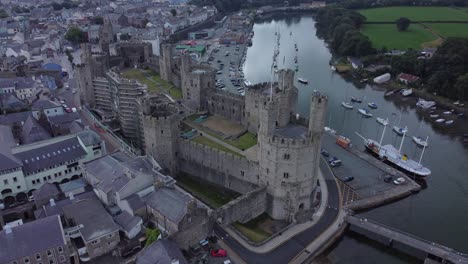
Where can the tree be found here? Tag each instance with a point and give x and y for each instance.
(151, 236)
(173, 12)
(403, 23)
(461, 87)
(75, 35)
(3, 13)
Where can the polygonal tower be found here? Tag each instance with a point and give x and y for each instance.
(165, 62)
(161, 130)
(196, 82)
(288, 159)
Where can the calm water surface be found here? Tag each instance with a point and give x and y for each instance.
(439, 212)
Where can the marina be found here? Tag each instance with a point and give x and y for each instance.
(445, 141)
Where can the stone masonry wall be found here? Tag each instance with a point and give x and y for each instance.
(244, 208)
(218, 167)
(227, 105)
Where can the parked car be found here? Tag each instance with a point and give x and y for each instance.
(220, 253)
(325, 153)
(388, 178)
(399, 181)
(334, 162)
(348, 178)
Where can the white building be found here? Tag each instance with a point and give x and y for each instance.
(25, 168)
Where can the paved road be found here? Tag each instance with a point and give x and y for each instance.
(288, 250)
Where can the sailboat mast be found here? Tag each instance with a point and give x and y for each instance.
(424, 148)
(402, 139)
(383, 133)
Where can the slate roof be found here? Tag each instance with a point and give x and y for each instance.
(47, 190)
(10, 100)
(14, 118)
(7, 163)
(93, 216)
(57, 209)
(126, 221)
(44, 104)
(135, 202)
(169, 202)
(52, 154)
(72, 185)
(89, 138)
(162, 251)
(33, 131)
(116, 170)
(65, 118)
(24, 239)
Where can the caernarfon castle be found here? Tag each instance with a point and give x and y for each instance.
(281, 179)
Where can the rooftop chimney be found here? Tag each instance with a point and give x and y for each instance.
(71, 195)
(52, 202)
(7, 229)
(175, 261)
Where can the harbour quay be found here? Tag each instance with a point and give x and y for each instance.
(373, 180)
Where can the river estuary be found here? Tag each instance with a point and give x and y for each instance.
(440, 211)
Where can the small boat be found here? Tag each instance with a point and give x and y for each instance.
(333, 68)
(347, 105)
(425, 104)
(363, 80)
(389, 93)
(372, 105)
(365, 112)
(302, 80)
(399, 130)
(433, 108)
(434, 116)
(456, 102)
(447, 113)
(420, 141)
(356, 100)
(449, 122)
(407, 92)
(382, 121)
(440, 120)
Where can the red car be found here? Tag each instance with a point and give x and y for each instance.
(219, 253)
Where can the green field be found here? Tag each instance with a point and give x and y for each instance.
(210, 143)
(207, 193)
(154, 83)
(390, 14)
(450, 30)
(383, 35)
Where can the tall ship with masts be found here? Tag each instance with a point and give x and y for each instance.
(391, 155)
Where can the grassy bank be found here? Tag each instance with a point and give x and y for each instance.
(210, 143)
(153, 81)
(207, 193)
(252, 229)
(390, 14)
(387, 35)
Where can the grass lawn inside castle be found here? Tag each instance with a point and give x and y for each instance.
(211, 195)
(153, 81)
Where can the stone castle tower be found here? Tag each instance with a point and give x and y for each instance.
(161, 130)
(85, 75)
(165, 62)
(283, 92)
(196, 81)
(288, 157)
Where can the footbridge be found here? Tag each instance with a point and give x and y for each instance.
(392, 236)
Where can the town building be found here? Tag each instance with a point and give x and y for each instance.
(40, 241)
(26, 168)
